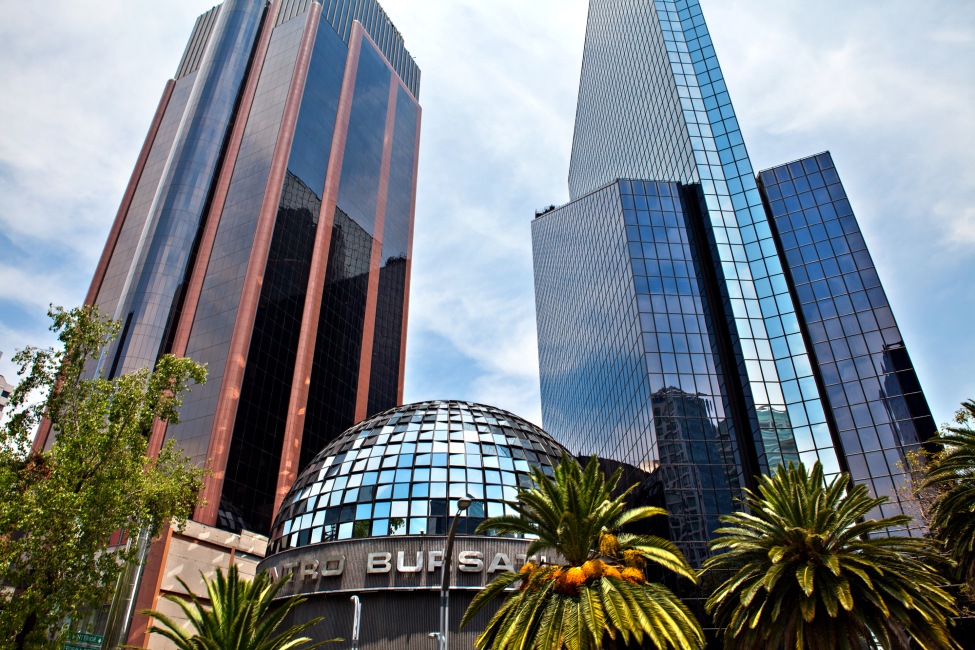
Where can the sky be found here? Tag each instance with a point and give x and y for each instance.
(888, 87)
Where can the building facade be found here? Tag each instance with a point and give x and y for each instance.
(369, 515)
(860, 362)
(266, 231)
(713, 342)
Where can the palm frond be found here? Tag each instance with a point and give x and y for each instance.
(808, 571)
(240, 616)
(570, 513)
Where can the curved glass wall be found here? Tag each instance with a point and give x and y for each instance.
(401, 472)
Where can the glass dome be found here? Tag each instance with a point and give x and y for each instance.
(401, 473)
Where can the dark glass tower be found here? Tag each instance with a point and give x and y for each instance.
(266, 231)
(672, 329)
(859, 358)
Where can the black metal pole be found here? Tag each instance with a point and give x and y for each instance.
(445, 583)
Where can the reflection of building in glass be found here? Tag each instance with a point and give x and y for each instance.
(694, 472)
(266, 231)
(876, 403)
(685, 293)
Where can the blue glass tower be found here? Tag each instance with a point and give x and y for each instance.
(670, 332)
(874, 398)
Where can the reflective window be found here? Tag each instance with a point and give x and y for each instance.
(873, 391)
(386, 475)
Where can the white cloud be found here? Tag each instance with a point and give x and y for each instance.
(887, 87)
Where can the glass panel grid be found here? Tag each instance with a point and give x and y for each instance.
(402, 472)
(876, 401)
(653, 104)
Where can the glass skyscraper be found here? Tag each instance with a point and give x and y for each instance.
(673, 329)
(267, 232)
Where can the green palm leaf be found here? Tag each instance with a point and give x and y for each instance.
(571, 513)
(952, 473)
(807, 571)
(239, 616)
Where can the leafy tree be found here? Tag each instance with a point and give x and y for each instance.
(808, 572)
(952, 474)
(239, 617)
(601, 595)
(60, 508)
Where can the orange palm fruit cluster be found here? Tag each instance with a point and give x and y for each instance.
(569, 581)
(593, 569)
(609, 545)
(634, 575)
(526, 573)
(634, 559)
(611, 572)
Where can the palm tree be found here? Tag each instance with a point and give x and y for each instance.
(953, 471)
(600, 595)
(808, 572)
(240, 616)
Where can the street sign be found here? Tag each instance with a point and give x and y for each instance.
(83, 641)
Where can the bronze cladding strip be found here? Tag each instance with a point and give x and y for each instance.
(409, 264)
(148, 595)
(295, 426)
(44, 429)
(233, 377)
(195, 286)
(40, 440)
(376, 259)
(96, 282)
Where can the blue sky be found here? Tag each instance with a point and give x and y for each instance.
(887, 87)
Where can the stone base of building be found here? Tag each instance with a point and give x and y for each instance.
(185, 555)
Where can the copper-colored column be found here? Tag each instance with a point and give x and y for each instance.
(409, 264)
(226, 410)
(295, 425)
(376, 259)
(148, 595)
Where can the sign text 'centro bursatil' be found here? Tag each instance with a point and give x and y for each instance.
(403, 562)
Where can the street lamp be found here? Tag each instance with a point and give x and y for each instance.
(462, 505)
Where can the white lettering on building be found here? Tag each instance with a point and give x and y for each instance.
(402, 567)
(379, 563)
(471, 561)
(500, 563)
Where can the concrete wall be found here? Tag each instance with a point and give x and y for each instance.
(201, 548)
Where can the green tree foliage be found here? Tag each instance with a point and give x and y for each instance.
(240, 616)
(601, 596)
(952, 473)
(59, 508)
(807, 571)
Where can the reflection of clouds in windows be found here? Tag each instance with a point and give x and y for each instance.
(653, 104)
(343, 493)
(875, 398)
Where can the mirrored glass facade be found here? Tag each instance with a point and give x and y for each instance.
(653, 105)
(631, 354)
(875, 399)
(267, 235)
(401, 472)
(670, 253)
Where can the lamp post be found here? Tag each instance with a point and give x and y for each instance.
(462, 505)
(355, 622)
